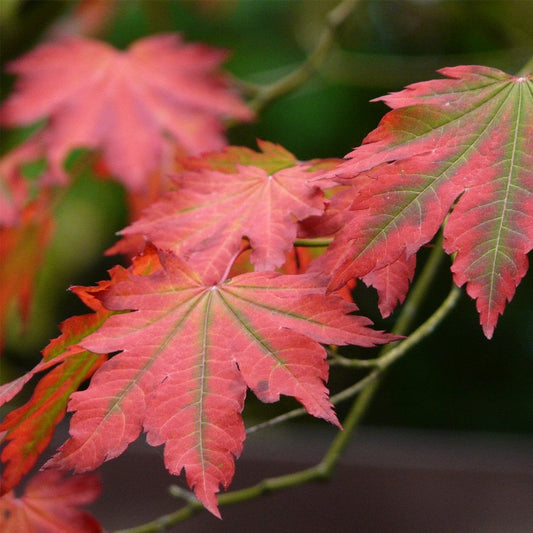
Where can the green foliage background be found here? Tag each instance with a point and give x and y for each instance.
(454, 380)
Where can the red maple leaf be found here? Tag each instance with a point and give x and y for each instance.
(188, 353)
(125, 102)
(50, 504)
(205, 220)
(26, 431)
(466, 140)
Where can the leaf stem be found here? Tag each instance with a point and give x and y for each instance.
(419, 290)
(423, 331)
(311, 243)
(337, 398)
(409, 310)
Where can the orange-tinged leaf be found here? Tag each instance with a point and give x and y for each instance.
(27, 430)
(189, 350)
(14, 191)
(467, 140)
(74, 328)
(50, 505)
(125, 102)
(22, 250)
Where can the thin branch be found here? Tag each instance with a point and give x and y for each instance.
(390, 352)
(264, 95)
(184, 494)
(320, 471)
(426, 329)
(339, 360)
(314, 243)
(409, 310)
(419, 290)
(335, 399)
(380, 363)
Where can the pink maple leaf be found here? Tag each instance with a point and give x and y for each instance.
(188, 353)
(212, 210)
(128, 103)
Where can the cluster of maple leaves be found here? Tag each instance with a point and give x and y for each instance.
(218, 299)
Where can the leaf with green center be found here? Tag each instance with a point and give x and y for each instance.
(467, 139)
(205, 220)
(271, 157)
(188, 353)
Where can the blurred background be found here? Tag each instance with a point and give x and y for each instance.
(454, 381)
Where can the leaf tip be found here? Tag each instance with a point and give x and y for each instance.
(488, 330)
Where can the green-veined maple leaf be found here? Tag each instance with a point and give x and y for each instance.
(50, 504)
(467, 140)
(128, 103)
(230, 195)
(188, 352)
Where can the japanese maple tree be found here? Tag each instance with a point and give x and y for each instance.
(220, 293)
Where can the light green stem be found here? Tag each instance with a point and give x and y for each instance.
(410, 308)
(419, 290)
(311, 243)
(391, 352)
